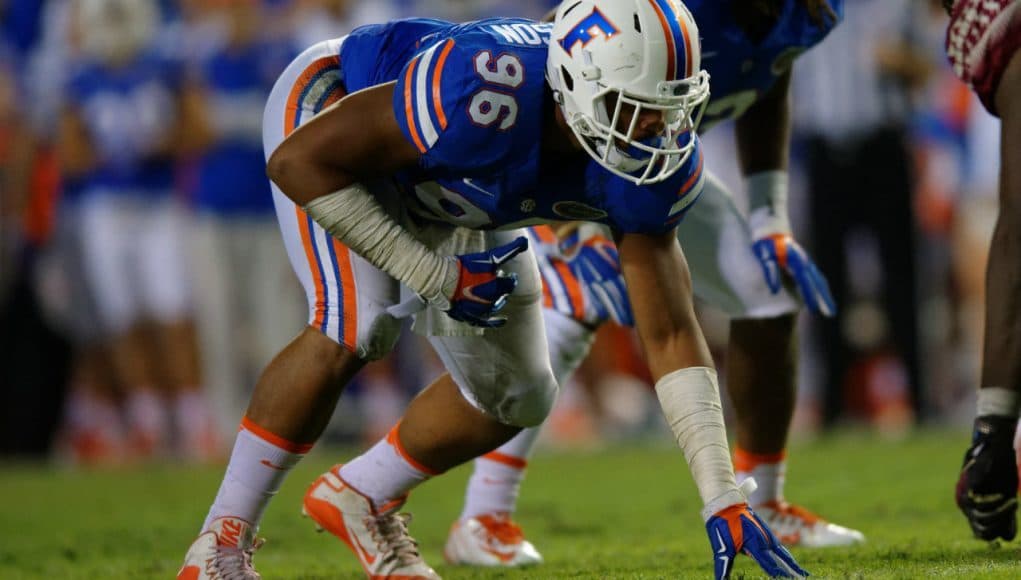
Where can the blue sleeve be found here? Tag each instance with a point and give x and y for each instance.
(457, 121)
(656, 208)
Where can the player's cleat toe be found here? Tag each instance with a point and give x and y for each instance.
(222, 552)
(796, 526)
(378, 536)
(489, 540)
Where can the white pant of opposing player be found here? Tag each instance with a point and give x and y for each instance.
(504, 372)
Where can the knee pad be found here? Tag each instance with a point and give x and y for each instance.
(520, 399)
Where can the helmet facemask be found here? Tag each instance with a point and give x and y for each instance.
(609, 137)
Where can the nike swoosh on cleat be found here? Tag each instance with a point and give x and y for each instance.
(502, 556)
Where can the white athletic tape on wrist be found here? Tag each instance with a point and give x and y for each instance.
(353, 216)
(767, 203)
(997, 401)
(690, 399)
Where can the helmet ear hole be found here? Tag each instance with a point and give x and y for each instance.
(568, 79)
(638, 24)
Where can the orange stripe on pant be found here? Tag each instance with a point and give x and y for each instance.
(344, 274)
(293, 110)
(346, 278)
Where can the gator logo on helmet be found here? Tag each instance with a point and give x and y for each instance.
(587, 29)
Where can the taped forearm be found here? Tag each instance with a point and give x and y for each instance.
(767, 203)
(690, 399)
(353, 216)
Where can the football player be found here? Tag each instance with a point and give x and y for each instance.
(749, 267)
(983, 42)
(120, 133)
(449, 137)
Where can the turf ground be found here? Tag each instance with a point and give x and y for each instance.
(628, 512)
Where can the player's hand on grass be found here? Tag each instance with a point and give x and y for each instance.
(780, 253)
(737, 529)
(987, 487)
(482, 287)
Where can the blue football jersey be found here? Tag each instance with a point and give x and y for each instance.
(474, 100)
(229, 176)
(741, 71)
(127, 112)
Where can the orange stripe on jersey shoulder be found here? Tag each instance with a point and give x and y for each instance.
(409, 105)
(437, 78)
(293, 109)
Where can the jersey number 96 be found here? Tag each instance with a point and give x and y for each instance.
(491, 105)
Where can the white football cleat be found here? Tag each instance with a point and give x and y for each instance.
(223, 552)
(378, 537)
(489, 540)
(796, 526)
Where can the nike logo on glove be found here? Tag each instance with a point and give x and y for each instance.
(723, 549)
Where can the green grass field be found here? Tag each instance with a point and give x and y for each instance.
(619, 513)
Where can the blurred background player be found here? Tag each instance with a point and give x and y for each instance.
(119, 135)
(983, 42)
(473, 87)
(750, 267)
(247, 301)
(855, 122)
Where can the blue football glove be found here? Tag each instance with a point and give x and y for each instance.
(737, 529)
(595, 263)
(778, 252)
(482, 288)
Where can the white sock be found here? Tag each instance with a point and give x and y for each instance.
(385, 472)
(258, 465)
(997, 401)
(769, 471)
(496, 480)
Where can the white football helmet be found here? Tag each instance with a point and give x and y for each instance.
(605, 54)
(114, 31)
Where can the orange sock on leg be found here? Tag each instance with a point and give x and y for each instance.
(769, 471)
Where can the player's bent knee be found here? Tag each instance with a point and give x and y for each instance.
(532, 408)
(521, 399)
